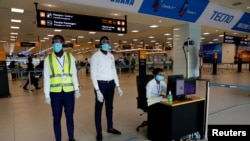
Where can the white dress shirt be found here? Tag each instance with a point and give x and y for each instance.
(46, 74)
(153, 89)
(102, 67)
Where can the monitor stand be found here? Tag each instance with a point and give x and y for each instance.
(182, 98)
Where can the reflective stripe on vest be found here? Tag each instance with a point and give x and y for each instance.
(59, 80)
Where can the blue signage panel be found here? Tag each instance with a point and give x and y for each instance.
(208, 52)
(243, 24)
(185, 10)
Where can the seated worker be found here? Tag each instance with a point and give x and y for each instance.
(156, 87)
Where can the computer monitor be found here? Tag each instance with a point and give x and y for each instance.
(190, 86)
(171, 83)
(185, 87)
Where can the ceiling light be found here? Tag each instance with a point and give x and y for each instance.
(135, 31)
(13, 33)
(153, 26)
(175, 29)
(14, 27)
(50, 35)
(215, 39)
(167, 34)
(45, 38)
(120, 34)
(92, 32)
(15, 21)
(221, 35)
(80, 37)
(169, 38)
(17, 10)
(42, 40)
(57, 30)
(202, 38)
(206, 33)
(73, 39)
(13, 39)
(151, 37)
(2, 41)
(135, 40)
(210, 42)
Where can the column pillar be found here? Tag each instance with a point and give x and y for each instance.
(189, 65)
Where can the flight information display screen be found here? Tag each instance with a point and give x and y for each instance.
(50, 19)
(235, 40)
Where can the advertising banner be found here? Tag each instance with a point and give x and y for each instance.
(243, 24)
(122, 5)
(219, 16)
(208, 53)
(185, 10)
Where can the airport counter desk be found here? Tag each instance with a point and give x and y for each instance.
(173, 121)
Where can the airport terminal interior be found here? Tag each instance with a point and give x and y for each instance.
(25, 117)
(212, 34)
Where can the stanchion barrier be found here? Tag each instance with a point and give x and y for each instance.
(208, 85)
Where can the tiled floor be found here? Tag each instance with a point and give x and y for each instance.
(25, 117)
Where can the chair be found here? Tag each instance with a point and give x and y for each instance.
(141, 82)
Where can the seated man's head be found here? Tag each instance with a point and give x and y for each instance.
(158, 74)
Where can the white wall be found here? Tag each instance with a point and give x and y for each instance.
(228, 52)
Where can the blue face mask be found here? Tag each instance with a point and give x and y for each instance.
(57, 47)
(159, 78)
(106, 47)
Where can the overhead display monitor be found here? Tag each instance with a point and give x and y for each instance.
(235, 40)
(51, 19)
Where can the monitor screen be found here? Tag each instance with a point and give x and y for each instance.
(189, 86)
(171, 84)
(179, 87)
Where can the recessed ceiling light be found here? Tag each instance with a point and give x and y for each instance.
(80, 37)
(45, 38)
(175, 29)
(16, 21)
(120, 34)
(153, 26)
(210, 42)
(135, 31)
(167, 34)
(57, 30)
(14, 27)
(17, 10)
(221, 35)
(215, 39)
(202, 38)
(206, 33)
(50, 35)
(151, 37)
(92, 32)
(14, 33)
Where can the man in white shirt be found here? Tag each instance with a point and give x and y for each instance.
(104, 78)
(157, 86)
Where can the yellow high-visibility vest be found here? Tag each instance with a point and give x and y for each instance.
(60, 80)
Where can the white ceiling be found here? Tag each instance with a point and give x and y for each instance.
(29, 32)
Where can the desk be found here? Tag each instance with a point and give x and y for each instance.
(173, 121)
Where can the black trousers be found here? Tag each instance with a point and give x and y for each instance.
(108, 90)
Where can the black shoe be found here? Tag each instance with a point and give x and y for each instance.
(72, 140)
(99, 137)
(25, 88)
(114, 131)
